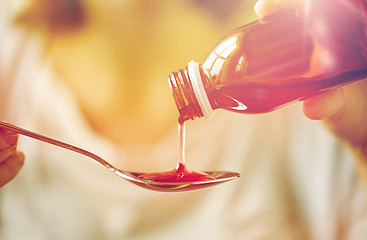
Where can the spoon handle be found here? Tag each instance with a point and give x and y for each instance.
(56, 143)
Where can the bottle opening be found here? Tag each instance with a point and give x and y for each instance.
(199, 90)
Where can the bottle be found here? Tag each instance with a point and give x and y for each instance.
(290, 55)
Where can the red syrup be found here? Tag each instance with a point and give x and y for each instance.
(288, 56)
(181, 173)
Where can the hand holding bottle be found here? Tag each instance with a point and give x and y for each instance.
(342, 110)
(11, 160)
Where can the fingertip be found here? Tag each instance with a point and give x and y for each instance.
(324, 106)
(10, 168)
(259, 8)
(11, 137)
(266, 7)
(20, 157)
(8, 138)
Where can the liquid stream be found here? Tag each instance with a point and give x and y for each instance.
(181, 173)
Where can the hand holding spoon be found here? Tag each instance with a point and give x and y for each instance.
(140, 179)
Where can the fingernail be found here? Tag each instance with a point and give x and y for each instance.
(11, 138)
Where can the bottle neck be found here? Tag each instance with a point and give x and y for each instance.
(189, 93)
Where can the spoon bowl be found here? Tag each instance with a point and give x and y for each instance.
(133, 177)
(219, 177)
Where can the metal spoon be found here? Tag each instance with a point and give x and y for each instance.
(219, 177)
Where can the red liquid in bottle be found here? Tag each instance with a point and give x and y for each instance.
(288, 56)
(292, 55)
(181, 173)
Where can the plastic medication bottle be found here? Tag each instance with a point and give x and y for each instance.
(291, 55)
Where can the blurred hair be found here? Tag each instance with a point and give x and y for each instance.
(219, 9)
(53, 15)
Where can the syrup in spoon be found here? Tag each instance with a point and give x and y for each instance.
(181, 173)
(163, 182)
